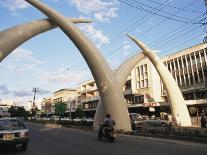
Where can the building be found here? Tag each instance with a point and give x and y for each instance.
(4, 107)
(67, 96)
(46, 105)
(144, 91)
(88, 97)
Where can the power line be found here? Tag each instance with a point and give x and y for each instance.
(160, 10)
(170, 6)
(133, 25)
(170, 18)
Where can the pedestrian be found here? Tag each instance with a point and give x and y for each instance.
(203, 121)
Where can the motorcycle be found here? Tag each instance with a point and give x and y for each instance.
(106, 132)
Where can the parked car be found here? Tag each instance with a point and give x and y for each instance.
(14, 132)
(156, 122)
(136, 121)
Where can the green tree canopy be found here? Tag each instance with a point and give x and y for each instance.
(16, 111)
(79, 113)
(60, 108)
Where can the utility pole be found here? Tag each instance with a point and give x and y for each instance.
(35, 90)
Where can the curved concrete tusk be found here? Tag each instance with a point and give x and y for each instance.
(13, 37)
(178, 106)
(110, 92)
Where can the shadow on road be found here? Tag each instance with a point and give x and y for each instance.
(9, 150)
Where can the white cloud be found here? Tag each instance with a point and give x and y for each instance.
(96, 35)
(156, 51)
(105, 16)
(21, 60)
(14, 5)
(102, 11)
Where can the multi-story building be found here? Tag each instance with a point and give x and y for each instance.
(88, 96)
(144, 90)
(46, 105)
(67, 96)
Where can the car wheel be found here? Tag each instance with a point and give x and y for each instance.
(163, 125)
(24, 147)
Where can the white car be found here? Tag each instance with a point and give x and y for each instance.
(156, 122)
(14, 132)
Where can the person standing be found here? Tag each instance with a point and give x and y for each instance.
(203, 121)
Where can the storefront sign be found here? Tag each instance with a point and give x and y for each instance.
(151, 104)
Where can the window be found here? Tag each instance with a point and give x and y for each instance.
(172, 64)
(138, 85)
(196, 78)
(187, 80)
(188, 60)
(138, 73)
(146, 83)
(180, 63)
(176, 65)
(201, 76)
(191, 78)
(184, 62)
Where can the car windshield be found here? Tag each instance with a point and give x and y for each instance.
(11, 125)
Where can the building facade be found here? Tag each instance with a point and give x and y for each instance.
(144, 90)
(67, 96)
(46, 105)
(88, 97)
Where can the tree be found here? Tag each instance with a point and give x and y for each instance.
(16, 111)
(60, 108)
(34, 111)
(79, 113)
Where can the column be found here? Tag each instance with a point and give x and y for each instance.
(190, 82)
(183, 70)
(176, 79)
(204, 79)
(181, 82)
(191, 63)
(196, 63)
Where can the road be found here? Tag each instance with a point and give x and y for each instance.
(47, 140)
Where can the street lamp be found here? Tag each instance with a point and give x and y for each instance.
(35, 90)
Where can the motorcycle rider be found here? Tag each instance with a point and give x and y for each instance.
(108, 125)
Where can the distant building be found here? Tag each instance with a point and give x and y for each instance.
(4, 107)
(67, 96)
(88, 97)
(46, 105)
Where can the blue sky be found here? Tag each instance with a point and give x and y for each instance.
(50, 61)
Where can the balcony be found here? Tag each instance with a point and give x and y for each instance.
(90, 99)
(88, 90)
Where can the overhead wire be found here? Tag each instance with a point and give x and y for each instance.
(170, 6)
(124, 44)
(170, 18)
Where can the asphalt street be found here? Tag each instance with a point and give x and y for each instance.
(47, 140)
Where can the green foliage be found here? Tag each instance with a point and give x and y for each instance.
(192, 110)
(34, 112)
(79, 113)
(60, 108)
(16, 111)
